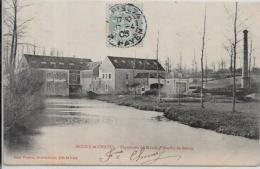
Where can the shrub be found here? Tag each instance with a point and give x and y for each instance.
(22, 99)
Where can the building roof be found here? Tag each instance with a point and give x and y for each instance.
(135, 63)
(149, 75)
(93, 65)
(54, 62)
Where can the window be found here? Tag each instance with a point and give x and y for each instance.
(71, 64)
(106, 76)
(53, 63)
(126, 76)
(44, 63)
(123, 61)
(109, 76)
(103, 76)
(74, 77)
(61, 63)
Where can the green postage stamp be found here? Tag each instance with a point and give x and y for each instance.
(126, 25)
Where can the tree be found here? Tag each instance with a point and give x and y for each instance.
(179, 77)
(43, 51)
(52, 52)
(167, 65)
(202, 55)
(229, 50)
(213, 65)
(158, 75)
(15, 31)
(235, 57)
(250, 62)
(206, 68)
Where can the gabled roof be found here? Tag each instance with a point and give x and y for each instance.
(54, 62)
(135, 63)
(149, 75)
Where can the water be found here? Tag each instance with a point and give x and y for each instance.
(69, 123)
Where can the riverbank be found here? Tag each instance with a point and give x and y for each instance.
(215, 116)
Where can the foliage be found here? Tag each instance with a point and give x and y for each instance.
(22, 98)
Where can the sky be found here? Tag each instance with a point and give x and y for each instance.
(78, 28)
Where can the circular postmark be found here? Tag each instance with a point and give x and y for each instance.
(127, 25)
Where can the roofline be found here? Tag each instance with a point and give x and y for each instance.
(137, 59)
(133, 58)
(56, 56)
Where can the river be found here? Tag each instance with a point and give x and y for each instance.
(80, 131)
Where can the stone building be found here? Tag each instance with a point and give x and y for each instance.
(118, 73)
(64, 76)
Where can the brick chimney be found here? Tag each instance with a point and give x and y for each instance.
(245, 77)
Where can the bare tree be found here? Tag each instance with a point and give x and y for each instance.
(43, 51)
(15, 31)
(235, 56)
(229, 50)
(213, 66)
(167, 65)
(179, 80)
(34, 48)
(158, 75)
(206, 69)
(202, 55)
(52, 52)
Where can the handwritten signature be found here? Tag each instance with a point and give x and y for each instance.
(139, 155)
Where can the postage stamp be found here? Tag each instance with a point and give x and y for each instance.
(126, 25)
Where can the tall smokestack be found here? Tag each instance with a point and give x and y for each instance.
(245, 77)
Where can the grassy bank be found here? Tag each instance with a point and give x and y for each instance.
(215, 116)
(23, 101)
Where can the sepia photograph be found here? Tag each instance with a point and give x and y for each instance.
(130, 83)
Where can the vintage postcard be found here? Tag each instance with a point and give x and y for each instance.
(161, 83)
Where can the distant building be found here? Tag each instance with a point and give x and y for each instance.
(149, 81)
(90, 80)
(121, 74)
(64, 76)
(175, 85)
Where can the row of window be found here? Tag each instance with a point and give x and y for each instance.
(56, 75)
(54, 63)
(140, 62)
(106, 76)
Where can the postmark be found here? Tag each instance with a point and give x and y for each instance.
(126, 25)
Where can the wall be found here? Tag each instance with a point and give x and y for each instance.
(120, 78)
(86, 78)
(122, 81)
(174, 86)
(107, 77)
(56, 83)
